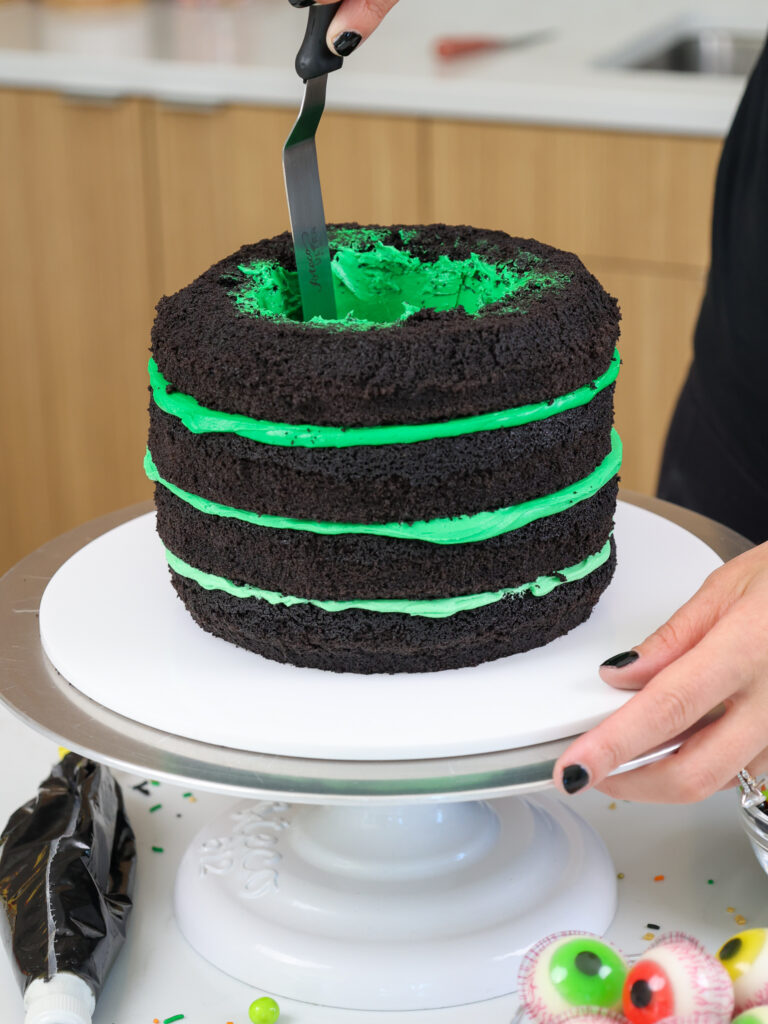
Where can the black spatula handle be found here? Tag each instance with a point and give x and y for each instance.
(314, 58)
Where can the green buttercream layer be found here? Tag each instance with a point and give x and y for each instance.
(435, 608)
(382, 285)
(199, 420)
(467, 529)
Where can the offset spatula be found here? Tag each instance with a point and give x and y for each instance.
(314, 62)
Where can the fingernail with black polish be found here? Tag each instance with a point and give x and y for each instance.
(621, 660)
(302, 3)
(575, 777)
(346, 42)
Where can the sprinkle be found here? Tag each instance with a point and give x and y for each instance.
(710, 881)
(730, 910)
(178, 815)
(156, 1020)
(658, 878)
(170, 1020)
(620, 874)
(654, 926)
(159, 849)
(186, 795)
(648, 936)
(153, 783)
(612, 806)
(155, 808)
(740, 919)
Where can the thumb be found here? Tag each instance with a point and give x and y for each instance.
(631, 670)
(354, 22)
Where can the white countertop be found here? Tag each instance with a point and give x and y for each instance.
(200, 54)
(158, 975)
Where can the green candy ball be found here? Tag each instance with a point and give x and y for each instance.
(264, 1011)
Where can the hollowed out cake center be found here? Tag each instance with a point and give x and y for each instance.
(381, 285)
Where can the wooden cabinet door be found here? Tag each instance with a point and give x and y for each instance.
(75, 311)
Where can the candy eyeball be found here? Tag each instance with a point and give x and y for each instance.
(589, 1017)
(745, 958)
(676, 977)
(754, 1015)
(569, 970)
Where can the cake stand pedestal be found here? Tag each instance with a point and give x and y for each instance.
(390, 907)
(366, 884)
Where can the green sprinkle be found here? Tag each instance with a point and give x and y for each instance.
(170, 1020)
(153, 783)
(159, 849)
(155, 808)
(710, 881)
(186, 795)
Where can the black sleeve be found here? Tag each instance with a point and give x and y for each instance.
(716, 459)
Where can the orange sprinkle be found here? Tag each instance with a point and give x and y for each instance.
(730, 910)
(740, 919)
(620, 874)
(156, 1021)
(648, 936)
(612, 807)
(658, 878)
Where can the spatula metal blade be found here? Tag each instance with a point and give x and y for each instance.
(305, 205)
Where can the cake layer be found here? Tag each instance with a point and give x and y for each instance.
(554, 330)
(366, 642)
(359, 566)
(404, 482)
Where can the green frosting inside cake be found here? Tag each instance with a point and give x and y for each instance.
(379, 285)
(466, 529)
(200, 420)
(431, 608)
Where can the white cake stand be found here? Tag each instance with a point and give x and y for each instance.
(393, 881)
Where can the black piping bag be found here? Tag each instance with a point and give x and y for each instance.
(67, 866)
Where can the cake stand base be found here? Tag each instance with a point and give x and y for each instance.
(390, 907)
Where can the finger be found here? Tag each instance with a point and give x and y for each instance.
(705, 764)
(632, 669)
(354, 22)
(675, 699)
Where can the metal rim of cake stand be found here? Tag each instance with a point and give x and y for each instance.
(34, 691)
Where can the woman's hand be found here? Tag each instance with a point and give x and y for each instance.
(354, 22)
(713, 650)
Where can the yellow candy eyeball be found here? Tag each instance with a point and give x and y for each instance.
(745, 957)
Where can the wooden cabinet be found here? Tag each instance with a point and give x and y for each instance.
(219, 178)
(636, 209)
(105, 207)
(75, 309)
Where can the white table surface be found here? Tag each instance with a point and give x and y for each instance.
(202, 53)
(158, 975)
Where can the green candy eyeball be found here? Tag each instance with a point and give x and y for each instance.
(570, 970)
(264, 1011)
(756, 1015)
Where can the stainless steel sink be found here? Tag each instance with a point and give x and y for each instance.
(709, 51)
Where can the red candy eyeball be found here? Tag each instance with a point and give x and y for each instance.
(677, 978)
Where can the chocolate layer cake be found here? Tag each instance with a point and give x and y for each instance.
(427, 482)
